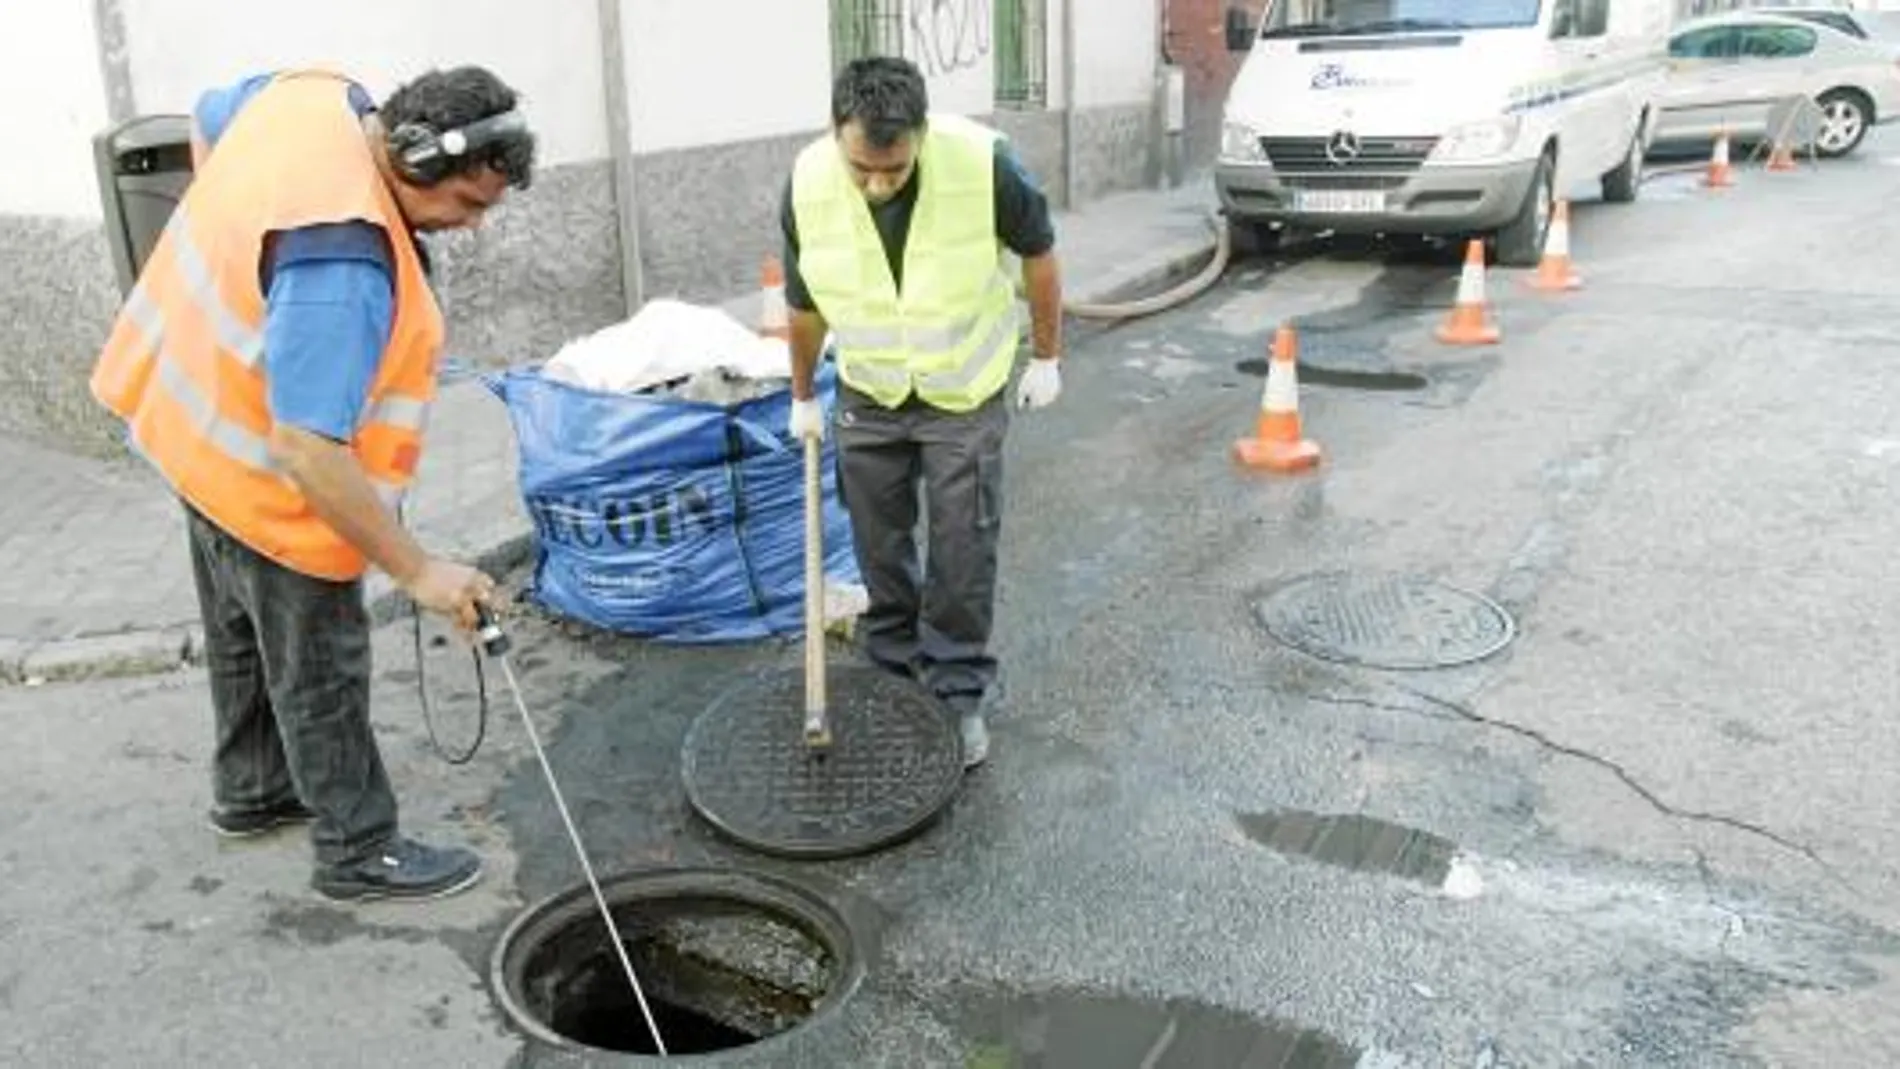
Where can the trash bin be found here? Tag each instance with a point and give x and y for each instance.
(143, 165)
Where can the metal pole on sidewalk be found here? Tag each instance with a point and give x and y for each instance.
(1068, 100)
(613, 73)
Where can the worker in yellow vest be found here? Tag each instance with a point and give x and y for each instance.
(896, 224)
(275, 363)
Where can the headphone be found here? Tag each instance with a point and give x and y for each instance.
(426, 157)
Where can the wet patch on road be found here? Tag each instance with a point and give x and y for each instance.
(1381, 381)
(1018, 1031)
(1356, 842)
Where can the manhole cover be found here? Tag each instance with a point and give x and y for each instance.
(726, 960)
(895, 762)
(1385, 621)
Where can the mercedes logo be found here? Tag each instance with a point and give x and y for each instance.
(1342, 148)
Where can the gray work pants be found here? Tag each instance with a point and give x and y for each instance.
(930, 619)
(288, 657)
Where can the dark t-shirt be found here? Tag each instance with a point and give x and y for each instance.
(1022, 222)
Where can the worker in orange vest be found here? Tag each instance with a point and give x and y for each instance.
(276, 363)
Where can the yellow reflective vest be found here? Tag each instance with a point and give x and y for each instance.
(951, 335)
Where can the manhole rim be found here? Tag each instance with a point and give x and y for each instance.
(1259, 599)
(938, 804)
(831, 924)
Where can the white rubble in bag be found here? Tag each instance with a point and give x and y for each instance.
(666, 343)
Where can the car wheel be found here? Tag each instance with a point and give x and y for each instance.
(1521, 242)
(1620, 186)
(1844, 120)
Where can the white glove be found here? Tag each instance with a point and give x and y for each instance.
(808, 419)
(1041, 383)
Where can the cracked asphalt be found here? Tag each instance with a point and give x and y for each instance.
(1673, 797)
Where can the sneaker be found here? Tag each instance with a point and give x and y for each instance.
(246, 823)
(405, 869)
(976, 739)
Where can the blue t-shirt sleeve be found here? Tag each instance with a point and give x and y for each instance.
(329, 308)
(217, 107)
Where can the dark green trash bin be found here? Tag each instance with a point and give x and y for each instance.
(144, 165)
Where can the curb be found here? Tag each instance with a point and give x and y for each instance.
(1178, 260)
(114, 655)
(155, 650)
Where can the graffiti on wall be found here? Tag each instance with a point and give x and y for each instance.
(947, 36)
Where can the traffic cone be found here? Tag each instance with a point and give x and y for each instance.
(1277, 444)
(1782, 158)
(1554, 272)
(775, 317)
(1720, 175)
(1470, 320)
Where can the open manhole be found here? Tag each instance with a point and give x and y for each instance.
(726, 960)
(1385, 621)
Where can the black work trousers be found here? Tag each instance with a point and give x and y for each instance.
(931, 618)
(289, 660)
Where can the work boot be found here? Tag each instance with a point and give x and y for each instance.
(248, 823)
(404, 869)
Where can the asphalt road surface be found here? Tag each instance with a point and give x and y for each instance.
(1656, 829)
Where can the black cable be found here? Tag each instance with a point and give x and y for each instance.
(422, 684)
(422, 693)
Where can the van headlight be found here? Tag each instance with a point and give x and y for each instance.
(1484, 140)
(1240, 143)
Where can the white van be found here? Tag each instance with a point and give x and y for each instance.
(1449, 117)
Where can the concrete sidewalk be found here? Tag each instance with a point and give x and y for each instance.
(97, 581)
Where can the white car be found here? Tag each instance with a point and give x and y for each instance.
(1849, 22)
(1445, 117)
(1729, 72)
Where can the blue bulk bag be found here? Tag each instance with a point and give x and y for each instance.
(671, 520)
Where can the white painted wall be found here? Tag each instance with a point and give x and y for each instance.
(1117, 43)
(56, 101)
(954, 43)
(705, 73)
(696, 75)
(1058, 89)
(550, 52)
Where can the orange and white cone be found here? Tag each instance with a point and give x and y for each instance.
(1470, 319)
(1555, 272)
(1278, 443)
(1782, 158)
(1721, 175)
(775, 317)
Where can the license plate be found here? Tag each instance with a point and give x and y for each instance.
(1340, 201)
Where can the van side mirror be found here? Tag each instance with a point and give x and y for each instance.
(1239, 31)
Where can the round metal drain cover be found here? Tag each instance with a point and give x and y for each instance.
(1385, 621)
(895, 762)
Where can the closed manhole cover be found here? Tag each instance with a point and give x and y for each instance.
(895, 762)
(1385, 621)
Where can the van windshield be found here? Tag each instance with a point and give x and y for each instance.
(1349, 18)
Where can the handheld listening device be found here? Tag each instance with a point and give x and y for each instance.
(426, 156)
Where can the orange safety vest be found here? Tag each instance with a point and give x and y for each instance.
(184, 363)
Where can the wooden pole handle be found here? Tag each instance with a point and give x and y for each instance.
(817, 731)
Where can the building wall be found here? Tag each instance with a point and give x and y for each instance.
(1194, 38)
(58, 291)
(709, 149)
(545, 266)
(712, 162)
(1117, 121)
